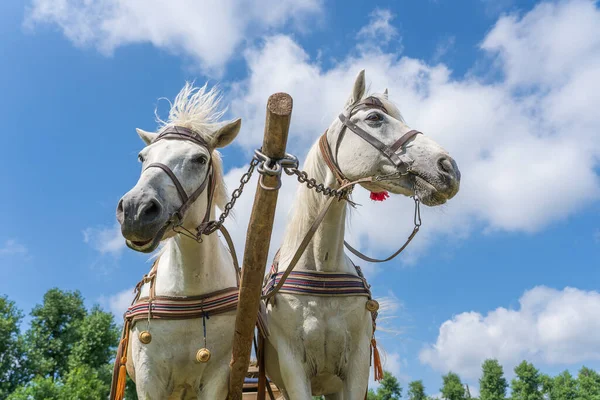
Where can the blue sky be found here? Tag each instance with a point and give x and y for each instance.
(508, 269)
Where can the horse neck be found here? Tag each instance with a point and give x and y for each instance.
(325, 252)
(188, 268)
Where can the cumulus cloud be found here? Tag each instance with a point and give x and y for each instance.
(208, 31)
(526, 141)
(105, 240)
(13, 247)
(118, 302)
(556, 327)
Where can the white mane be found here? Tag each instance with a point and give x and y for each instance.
(198, 109)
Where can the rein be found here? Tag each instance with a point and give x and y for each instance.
(402, 166)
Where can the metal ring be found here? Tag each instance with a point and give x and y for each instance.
(268, 188)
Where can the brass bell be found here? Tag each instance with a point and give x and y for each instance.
(203, 355)
(372, 305)
(145, 337)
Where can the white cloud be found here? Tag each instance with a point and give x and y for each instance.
(526, 144)
(105, 240)
(118, 302)
(209, 31)
(13, 247)
(552, 327)
(379, 30)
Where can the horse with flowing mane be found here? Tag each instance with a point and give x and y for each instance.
(179, 331)
(320, 344)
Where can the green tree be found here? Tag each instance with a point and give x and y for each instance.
(588, 384)
(562, 387)
(69, 351)
(53, 333)
(492, 385)
(39, 388)
(11, 347)
(452, 388)
(416, 391)
(527, 384)
(98, 336)
(389, 389)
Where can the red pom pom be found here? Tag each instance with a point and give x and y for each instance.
(379, 196)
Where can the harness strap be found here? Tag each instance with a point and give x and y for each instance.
(307, 238)
(328, 158)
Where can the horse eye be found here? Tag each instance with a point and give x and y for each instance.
(140, 158)
(200, 160)
(374, 117)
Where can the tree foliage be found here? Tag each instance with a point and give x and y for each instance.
(53, 333)
(527, 383)
(452, 388)
(65, 354)
(416, 391)
(389, 389)
(588, 384)
(11, 348)
(492, 385)
(561, 387)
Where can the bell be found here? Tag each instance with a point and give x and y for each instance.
(203, 355)
(372, 305)
(145, 337)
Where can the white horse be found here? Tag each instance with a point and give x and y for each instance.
(321, 345)
(167, 367)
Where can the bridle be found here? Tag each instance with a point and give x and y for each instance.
(390, 152)
(175, 220)
(346, 186)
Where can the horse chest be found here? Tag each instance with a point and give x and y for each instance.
(329, 329)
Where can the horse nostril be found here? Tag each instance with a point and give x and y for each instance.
(120, 212)
(445, 165)
(150, 210)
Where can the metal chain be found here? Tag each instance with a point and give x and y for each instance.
(311, 183)
(269, 167)
(212, 226)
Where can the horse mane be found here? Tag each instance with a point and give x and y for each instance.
(198, 109)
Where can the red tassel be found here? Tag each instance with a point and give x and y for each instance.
(379, 196)
(377, 367)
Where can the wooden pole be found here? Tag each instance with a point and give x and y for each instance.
(258, 239)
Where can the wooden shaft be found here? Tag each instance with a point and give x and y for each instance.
(258, 238)
(262, 377)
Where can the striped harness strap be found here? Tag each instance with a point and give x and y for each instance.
(167, 307)
(318, 283)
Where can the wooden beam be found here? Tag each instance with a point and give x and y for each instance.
(258, 239)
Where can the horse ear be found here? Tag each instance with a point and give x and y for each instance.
(226, 133)
(147, 137)
(385, 93)
(358, 90)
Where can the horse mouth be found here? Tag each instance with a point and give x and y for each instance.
(428, 193)
(143, 246)
(141, 243)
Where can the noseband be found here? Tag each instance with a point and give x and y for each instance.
(390, 152)
(176, 218)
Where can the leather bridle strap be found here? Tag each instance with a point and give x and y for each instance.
(186, 201)
(183, 133)
(388, 151)
(328, 158)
